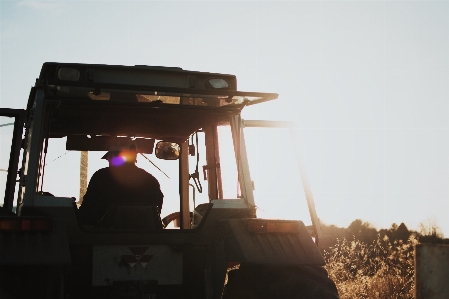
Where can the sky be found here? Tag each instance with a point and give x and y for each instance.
(366, 82)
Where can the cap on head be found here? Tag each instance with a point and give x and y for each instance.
(127, 152)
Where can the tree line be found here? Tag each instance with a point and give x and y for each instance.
(366, 233)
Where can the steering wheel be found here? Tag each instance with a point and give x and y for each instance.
(170, 217)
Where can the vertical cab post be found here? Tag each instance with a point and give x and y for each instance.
(217, 163)
(184, 186)
(241, 157)
(19, 115)
(213, 163)
(32, 165)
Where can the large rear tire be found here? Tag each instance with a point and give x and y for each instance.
(288, 282)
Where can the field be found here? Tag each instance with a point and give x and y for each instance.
(368, 264)
(382, 269)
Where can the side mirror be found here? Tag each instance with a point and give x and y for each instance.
(167, 150)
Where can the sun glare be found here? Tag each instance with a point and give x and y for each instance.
(118, 160)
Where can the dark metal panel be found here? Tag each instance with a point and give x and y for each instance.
(271, 248)
(35, 248)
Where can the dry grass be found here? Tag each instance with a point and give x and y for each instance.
(377, 270)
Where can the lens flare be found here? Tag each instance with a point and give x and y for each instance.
(118, 160)
(123, 157)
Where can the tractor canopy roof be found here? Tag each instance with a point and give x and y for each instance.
(137, 101)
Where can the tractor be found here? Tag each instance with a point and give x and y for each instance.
(207, 242)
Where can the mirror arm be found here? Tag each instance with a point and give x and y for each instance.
(154, 164)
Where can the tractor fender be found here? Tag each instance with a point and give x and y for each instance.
(269, 242)
(35, 247)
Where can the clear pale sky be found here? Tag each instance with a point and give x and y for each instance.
(367, 82)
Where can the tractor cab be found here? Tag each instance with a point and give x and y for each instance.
(186, 130)
(168, 113)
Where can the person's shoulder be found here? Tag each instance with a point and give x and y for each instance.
(104, 169)
(145, 173)
(101, 171)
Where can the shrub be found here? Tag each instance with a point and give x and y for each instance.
(378, 270)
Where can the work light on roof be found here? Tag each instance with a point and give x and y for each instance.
(218, 83)
(68, 74)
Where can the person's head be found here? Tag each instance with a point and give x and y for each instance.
(119, 155)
